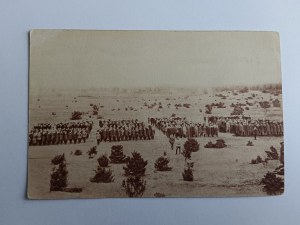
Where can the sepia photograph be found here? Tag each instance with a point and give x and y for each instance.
(119, 114)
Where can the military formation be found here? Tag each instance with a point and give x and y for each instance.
(123, 130)
(61, 133)
(182, 128)
(246, 126)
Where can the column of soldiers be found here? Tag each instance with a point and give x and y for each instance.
(123, 130)
(180, 127)
(249, 127)
(61, 133)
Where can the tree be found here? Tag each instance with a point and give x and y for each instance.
(272, 154)
(76, 115)
(103, 161)
(187, 154)
(191, 145)
(273, 185)
(102, 175)
(134, 186)
(92, 152)
(188, 174)
(117, 155)
(59, 175)
(161, 164)
(135, 165)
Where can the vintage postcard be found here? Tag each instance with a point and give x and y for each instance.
(154, 114)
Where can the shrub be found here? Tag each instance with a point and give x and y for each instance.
(134, 186)
(73, 190)
(273, 185)
(103, 161)
(59, 175)
(264, 104)
(78, 152)
(191, 145)
(92, 152)
(102, 175)
(279, 170)
(272, 154)
(250, 143)
(135, 165)
(117, 155)
(76, 115)
(257, 160)
(161, 164)
(188, 174)
(58, 159)
(187, 154)
(220, 143)
(159, 195)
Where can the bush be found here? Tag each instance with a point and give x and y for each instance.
(73, 190)
(186, 154)
(272, 154)
(191, 145)
(220, 143)
(188, 174)
(134, 186)
(161, 164)
(102, 175)
(103, 161)
(59, 175)
(159, 195)
(78, 152)
(279, 170)
(58, 159)
(76, 115)
(135, 165)
(238, 110)
(257, 160)
(264, 104)
(92, 152)
(117, 155)
(273, 185)
(250, 143)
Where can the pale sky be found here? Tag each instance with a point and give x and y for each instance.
(84, 59)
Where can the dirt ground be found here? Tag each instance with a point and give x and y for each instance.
(217, 172)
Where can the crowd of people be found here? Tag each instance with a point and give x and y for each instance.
(123, 130)
(61, 133)
(181, 127)
(246, 126)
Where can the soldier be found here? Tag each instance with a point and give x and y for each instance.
(49, 138)
(98, 137)
(65, 137)
(84, 135)
(79, 136)
(34, 138)
(61, 137)
(255, 132)
(178, 145)
(172, 141)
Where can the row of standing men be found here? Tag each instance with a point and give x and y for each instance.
(181, 127)
(63, 133)
(123, 130)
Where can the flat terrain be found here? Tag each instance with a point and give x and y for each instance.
(217, 172)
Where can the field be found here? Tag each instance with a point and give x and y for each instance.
(217, 172)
